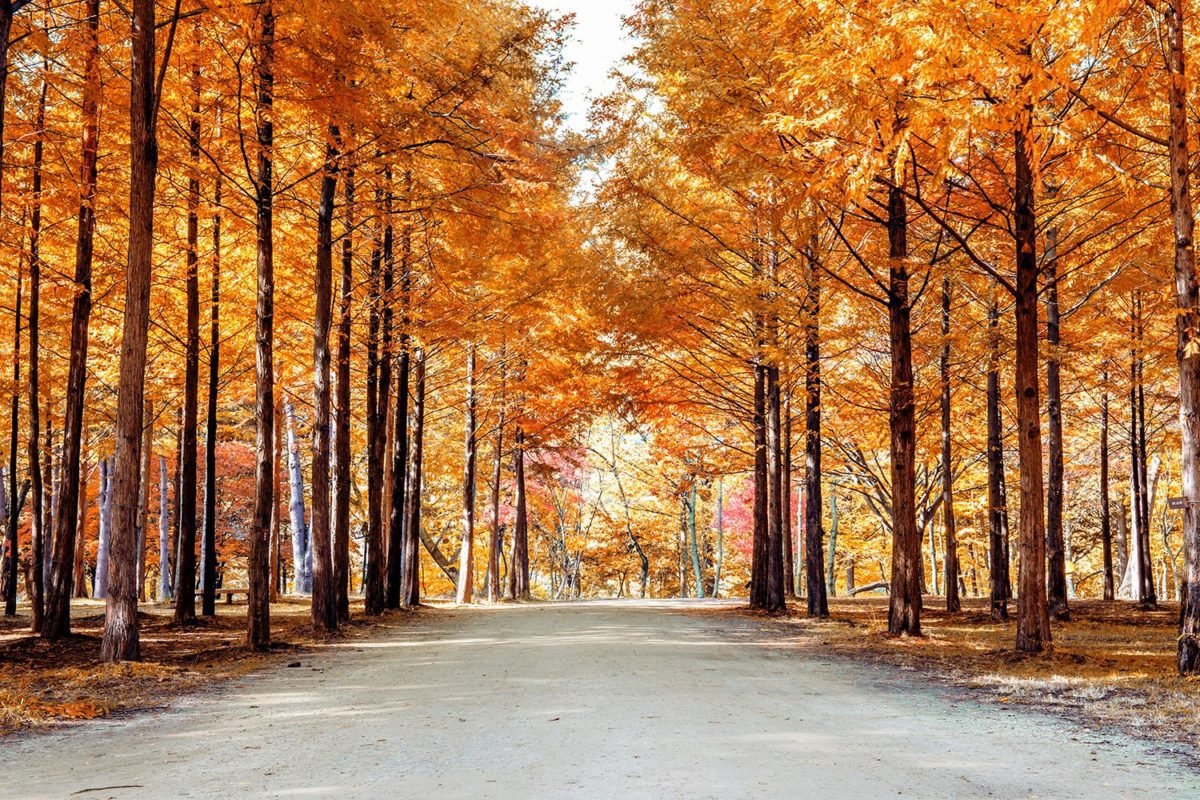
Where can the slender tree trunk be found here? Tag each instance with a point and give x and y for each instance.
(185, 600)
(121, 631)
(373, 588)
(1146, 593)
(78, 578)
(816, 591)
(952, 600)
(384, 443)
(789, 540)
(775, 501)
(341, 481)
(165, 589)
(410, 589)
(518, 580)
(297, 517)
(11, 551)
(208, 547)
(1056, 591)
(144, 495)
(466, 559)
(258, 628)
(716, 584)
(904, 609)
(324, 596)
(1105, 503)
(997, 508)
(760, 548)
(104, 529)
(694, 542)
(494, 538)
(1033, 619)
(38, 528)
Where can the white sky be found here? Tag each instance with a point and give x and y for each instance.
(597, 45)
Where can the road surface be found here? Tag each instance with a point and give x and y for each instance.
(593, 700)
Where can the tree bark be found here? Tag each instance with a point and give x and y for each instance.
(341, 481)
(518, 574)
(816, 590)
(208, 547)
(302, 580)
(258, 627)
(373, 588)
(775, 501)
(410, 589)
(1056, 590)
(760, 547)
(121, 631)
(1033, 619)
(38, 529)
(165, 586)
(494, 538)
(951, 549)
(904, 607)
(8, 582)
(997, 510)
(466, 559)
(324, 596)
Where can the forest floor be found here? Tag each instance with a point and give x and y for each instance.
(42, 684)
(1112, 664)
(631, 699)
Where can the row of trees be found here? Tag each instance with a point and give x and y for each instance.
(863, 212)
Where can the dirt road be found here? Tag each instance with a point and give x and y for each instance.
(598, 700)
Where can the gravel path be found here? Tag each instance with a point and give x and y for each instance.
(591, 700)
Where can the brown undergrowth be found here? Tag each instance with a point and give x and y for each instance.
(1112, 664)
(43, 683)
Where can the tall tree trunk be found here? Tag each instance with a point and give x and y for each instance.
(103, 530)
(997, 509)
(816, 591)
(209, 545)
(258, 627)
(11, 552)
(1105, 503)
(1187, 326)
(1146, 592)
(904, 608)
(775, 501)
(494, 537)
(716, 584)
(78, 578)
(341, 482)
(144, 498)
(1033, 619)
(951, 555)
(397, 521)
(466, 558)
(694, 540)
(185, 600)
(38, 528)
(165, 589)
(518, 576)
(789, 540)
(121, 631)
(410, 588)
(760, 547)
(387, 352)
(373, 588)
(1056, 590)
(324, 595)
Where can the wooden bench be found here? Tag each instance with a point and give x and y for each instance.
(228, 592)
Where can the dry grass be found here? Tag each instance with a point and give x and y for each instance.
(1112, 664)
(43, 684)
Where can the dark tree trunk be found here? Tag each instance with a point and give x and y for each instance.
(341, 481)
(395, 550)
(1146, 592)
(775, 544)
(494, 537)
(8, 584)
(209, 548)
(324, 598)
(185, 600)
(373, 589)
(760, 548)
(816, 590)
(38, 527)
(258, 626)
(904, 607)
(997, 506)
(789, 541)
(410, 589)
(466, 558)
(1056, 590)
(1033, 620)
(518, 574)
(951, 555)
